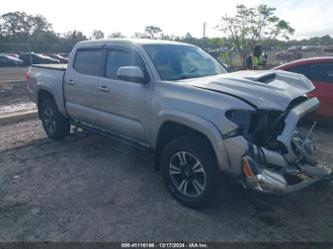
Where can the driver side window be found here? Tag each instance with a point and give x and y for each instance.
(118, 58)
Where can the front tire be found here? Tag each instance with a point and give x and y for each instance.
(189, 171)
(55, 124)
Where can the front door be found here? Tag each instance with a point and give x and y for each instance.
(124, 106)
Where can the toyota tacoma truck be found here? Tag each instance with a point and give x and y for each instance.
(180, 103)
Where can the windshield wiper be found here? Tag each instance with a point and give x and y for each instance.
(190, 77)
(184, 77)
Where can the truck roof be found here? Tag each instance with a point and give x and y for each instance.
(101, 42)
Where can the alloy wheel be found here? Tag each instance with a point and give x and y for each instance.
(187, 174)
(49, 120)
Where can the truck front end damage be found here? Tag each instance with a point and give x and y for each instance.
(275, 152)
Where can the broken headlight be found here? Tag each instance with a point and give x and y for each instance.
(260, 127)
(244, 119)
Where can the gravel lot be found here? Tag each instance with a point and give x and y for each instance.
(13, 93)
(88, 188)
(12, 86)
(8, 74)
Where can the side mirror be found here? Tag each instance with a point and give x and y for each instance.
(131, 73)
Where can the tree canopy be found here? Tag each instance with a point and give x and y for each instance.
(97, 34)
(116, 35)
(17, 25)
(254, 25)
(20, 31)
(153, 32)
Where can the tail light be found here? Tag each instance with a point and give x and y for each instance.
(26, 76)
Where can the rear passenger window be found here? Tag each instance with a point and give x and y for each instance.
(87, 61)
(118, 58)
(316, 72)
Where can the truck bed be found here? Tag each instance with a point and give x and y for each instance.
(61, 67)
(50, 78)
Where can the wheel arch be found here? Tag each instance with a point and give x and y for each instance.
(173, 124)
(44, 93)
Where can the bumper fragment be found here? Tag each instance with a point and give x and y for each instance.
(268, 181)
(291, 122)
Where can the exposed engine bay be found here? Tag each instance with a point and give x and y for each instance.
(281, 153)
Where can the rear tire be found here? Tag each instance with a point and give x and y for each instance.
(55, 124)
(190, 171)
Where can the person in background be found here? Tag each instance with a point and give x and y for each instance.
(257, 60)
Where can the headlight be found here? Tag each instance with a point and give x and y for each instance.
(244, 119)
(260, 127)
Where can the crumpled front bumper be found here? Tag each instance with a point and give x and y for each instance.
(272, 172)
(264, 180)
(291, 122)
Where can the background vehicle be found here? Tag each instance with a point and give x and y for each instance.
(179, 102)
(288, 55)
(7, 60)
(320, 71)
(310, 48)
(16, 55)
(34, 58)
(327, 49)
(61, 59)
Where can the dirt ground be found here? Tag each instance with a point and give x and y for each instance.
(13, 93)
(12, 86)
(8, 74)
(89, 188)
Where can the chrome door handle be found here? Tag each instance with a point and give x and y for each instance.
(104, 89)
(70, 82)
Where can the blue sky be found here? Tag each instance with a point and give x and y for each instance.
(308, 17)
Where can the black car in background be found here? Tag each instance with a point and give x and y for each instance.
(8, 60)
(13, 54)
(34, 58)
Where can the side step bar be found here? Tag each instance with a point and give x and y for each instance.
(113, 136)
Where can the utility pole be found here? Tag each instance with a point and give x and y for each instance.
(204, 30)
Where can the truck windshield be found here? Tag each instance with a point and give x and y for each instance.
(176, 62)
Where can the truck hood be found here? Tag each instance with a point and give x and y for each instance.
(273, 89)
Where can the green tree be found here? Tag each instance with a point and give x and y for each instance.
(97, 34)
(167, 37)
(72, 37)
(116, 35)
(153, 32)
(326, 40)
(15, 25)
(188, 37)
(41, 33)
(251, 26)
(40, 24)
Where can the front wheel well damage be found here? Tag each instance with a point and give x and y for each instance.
(171, 130)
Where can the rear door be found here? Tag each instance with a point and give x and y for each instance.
(80, 85)
(321, 75)
(124, 106)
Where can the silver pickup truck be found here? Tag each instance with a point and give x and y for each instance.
(177, 101)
